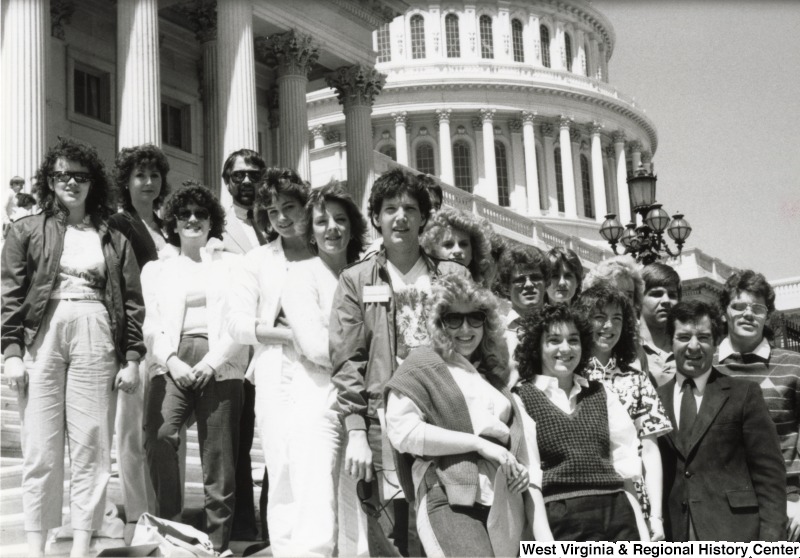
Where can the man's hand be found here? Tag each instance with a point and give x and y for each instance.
(358, 456)
(793, 528)
(181, 373)
(202, 373)
(15, 374)
(128, 377)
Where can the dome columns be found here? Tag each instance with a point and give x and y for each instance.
(622, 177)
(400, 136)
(488, 187)
(445, 149)
(598, 180)
(531, 168)
(567, 168)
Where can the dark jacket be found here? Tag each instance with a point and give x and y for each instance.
(363, 344)
(731, 476)
(131, 225)
(31, 259)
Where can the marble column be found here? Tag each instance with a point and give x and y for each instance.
(531, 168)
(400, 137)
(598, 180)
(575, 141)
(356, 87)
(548, 138)
(236, 79)
(296, 54)
(647, 160)
(318, 133)
(635, 147)
(26, 38)
(612, 197)
(567, 173)
(138, 74)
(622, 175)
(445, 148)
(516, 161)
(489, 184)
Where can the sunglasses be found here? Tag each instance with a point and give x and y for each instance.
(756, 308)
(455, 320)
(364, 493)
(521, 280)
(239, 176)
(66, 176)
(200, 213)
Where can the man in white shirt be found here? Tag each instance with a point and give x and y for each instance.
(242, 173)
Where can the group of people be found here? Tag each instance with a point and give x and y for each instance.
(439, 392)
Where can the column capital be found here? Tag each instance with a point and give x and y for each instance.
(400, 118)
(61, 12)
(515, 125)
(487, 115)
(202, 15)
(295, 52)
(477, 124)
(443, 115)
(609, 151)
(595, 128)
(356, 85)
(529, 116)
(318, 132)
(548, 130)
(564, 121)
(618, 136)
(635, 145)
(575, 135)
(332, 136)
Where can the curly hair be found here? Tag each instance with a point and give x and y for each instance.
(99, 206)
(183, 196)
(394, 183)
(452, 289)
(519, 255)
(611, 269)
(595, 299)
(533, 329)
(335, 191)
(278, 181)
(750, 281)
(141, 156)
(482, 266)
(565, 259)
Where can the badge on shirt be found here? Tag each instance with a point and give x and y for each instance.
(377, 293)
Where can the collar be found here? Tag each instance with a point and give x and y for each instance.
(511, 317)
(431, 263)
(651, 349)
(550, 384)
(240, 212)
(699, 382)
(726, 349)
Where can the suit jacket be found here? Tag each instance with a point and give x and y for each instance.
(235, 237)
(730, 475)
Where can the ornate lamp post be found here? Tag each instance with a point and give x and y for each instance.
(646, 242)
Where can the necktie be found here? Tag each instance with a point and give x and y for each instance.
(259, 235)
(688, 410)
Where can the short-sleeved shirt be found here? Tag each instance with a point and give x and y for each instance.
(410, 292)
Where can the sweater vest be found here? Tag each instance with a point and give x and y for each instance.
(575, 449)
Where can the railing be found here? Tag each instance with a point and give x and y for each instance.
(790, 334)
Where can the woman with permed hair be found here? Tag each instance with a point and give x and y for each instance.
(614, 363)
(256, 318)
(565, 277)
(461, 444)
(195, 368)
(71, 298)
(456, 235)
(623, 273)
(587, 442)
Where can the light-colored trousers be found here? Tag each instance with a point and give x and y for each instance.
(69, 390)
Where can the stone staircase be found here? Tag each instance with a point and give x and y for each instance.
(12, 535)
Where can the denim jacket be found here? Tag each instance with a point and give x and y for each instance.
(30, 264)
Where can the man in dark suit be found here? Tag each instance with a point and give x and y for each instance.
(724, 477)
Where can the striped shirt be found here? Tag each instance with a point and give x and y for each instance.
(777, 371)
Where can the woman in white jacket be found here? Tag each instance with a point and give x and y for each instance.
(195, 367)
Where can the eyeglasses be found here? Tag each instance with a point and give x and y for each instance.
(200, 213)
(364, 493)
(455, 320)
(253, 175)
(66, 176)
(755, 307)
(520, 280)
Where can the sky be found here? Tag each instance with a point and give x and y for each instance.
(721, 81)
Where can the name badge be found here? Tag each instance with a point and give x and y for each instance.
(377, 293)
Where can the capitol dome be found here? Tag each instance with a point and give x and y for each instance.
(509, 101)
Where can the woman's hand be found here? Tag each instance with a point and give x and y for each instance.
(358, 456)
(504, 459)
(181, 372)
(128, 377)
(202, 373)
(656, 529)
(16, 376)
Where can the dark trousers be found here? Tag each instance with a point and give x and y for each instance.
(602, 517)
(452, 530)
(217, 407)
(244, 515)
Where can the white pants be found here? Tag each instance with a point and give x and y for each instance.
(302, 437)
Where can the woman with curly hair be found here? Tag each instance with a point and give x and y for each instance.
(565, 277)
(623, 273)
(453, 234)
(613, 363)
(195, 368)
(71, 298)
(587, 441)
(461, 444)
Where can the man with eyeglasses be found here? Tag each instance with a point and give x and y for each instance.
(748, 300)
(242, 172)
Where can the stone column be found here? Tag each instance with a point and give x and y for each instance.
(445, 148)
(582, 55)
(635, 147)
(558, 55)
(591, 58)
(26, 38)
(518, 194)
(603, 62)
(598, 180)
(612, 198)
(296, 54)
(138, 75)
(318, 133)
(356, 87)
(622, 175)
(531, 169)
(549, 135)
(236, 79)
(400, 138)
(489, 186)
(575, 141)
(567, 174)
(647, 160)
